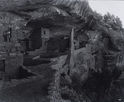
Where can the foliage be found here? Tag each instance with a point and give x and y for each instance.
(113, 21)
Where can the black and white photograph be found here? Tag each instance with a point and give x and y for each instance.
(61, 50)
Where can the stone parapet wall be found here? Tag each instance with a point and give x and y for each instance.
(12, 63)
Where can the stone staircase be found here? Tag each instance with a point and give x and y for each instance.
(109, 61)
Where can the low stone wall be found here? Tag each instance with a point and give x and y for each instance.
(12, 64)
